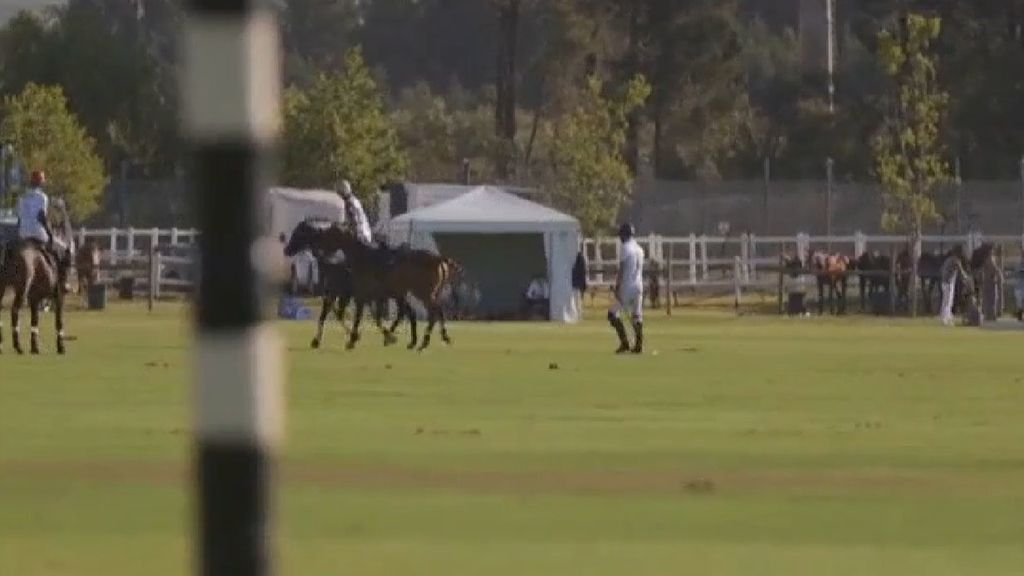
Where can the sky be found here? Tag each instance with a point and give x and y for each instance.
(9, 8)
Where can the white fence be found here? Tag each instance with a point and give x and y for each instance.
(711, 261)
(140, 254)
(694, 262)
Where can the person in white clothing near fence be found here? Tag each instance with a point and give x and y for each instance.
(952, 270)
(629, 292)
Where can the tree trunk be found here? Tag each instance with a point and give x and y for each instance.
(505, 104)
(632, 69)
(915, 257)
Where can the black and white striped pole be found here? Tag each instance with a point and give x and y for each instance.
(231, 105)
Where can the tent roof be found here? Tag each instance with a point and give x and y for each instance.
(487, 209)
(302, 195)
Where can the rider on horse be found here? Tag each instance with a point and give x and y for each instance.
(34, 222)
(360, 224)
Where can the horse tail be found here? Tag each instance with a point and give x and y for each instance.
(451, 271)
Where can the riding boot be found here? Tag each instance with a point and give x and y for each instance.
(638, 327)
(620, 331)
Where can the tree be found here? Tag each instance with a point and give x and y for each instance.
(48, 136)
(908, 150)
(590, 177)
(338, 129)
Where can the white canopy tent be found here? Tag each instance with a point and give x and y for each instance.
(502, 241)
(287, 207)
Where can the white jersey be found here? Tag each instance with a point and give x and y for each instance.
(631, 266)
(360, 222)
(31, 203)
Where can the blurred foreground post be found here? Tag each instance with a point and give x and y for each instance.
(231, 94)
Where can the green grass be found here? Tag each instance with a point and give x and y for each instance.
(745, 446)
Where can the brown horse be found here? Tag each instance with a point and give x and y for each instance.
(87, 267)
(34, 277)
(830, 270)
(373, 279)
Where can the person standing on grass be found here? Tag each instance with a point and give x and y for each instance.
(952, 269)
(629, 292)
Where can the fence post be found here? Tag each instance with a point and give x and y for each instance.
(704, 256)
(174, 236)
(693, 259)
(152, 276)
(860, 244)
(113, 246)
(670, 291)
(751, 264)
(736, 282)
(782, 281)
(803, 246)
(154, 237)
(81, 236)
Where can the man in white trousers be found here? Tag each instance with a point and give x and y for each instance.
(951, 271)
(629, 292)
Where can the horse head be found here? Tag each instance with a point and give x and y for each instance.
(310, 234)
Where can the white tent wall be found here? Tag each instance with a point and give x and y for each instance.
(489, 211)
(287, 207)
(561, 249)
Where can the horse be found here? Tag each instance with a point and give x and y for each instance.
(929, 273)
(830, 270)
(874, 268)
(87, 267)
(414, 273)
(34, 276)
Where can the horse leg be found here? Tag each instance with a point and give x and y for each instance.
(444, 328)
(821, 296)
(33, 309)
(411, 315)
(58, 316)
(353, 336)
(389, 333)
(432, 313)
(328, 304)
(19, 301)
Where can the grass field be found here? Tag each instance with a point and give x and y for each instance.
(745, 446)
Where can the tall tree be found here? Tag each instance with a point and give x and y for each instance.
(338, 129)
(909, 151)
(47, 136)
(590, 177)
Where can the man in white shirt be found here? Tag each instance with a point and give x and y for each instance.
(629, 292)
(355, 214)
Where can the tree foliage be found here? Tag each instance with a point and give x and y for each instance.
(47, 136)
(338, 129)
(909, 152)
(590, 178)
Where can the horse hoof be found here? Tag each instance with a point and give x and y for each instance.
(411, 346)
(61, 350)
(35, 351)
(315, 344)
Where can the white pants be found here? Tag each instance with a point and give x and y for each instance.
(948, 295)
(631, 301)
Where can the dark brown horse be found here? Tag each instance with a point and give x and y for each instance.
(34, 277)
(377, 276)
(873, 274)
